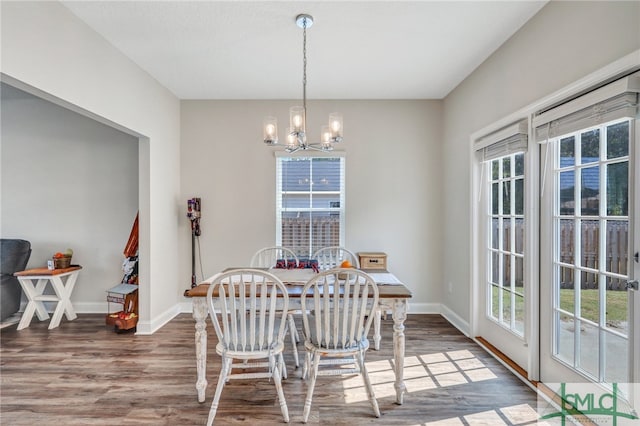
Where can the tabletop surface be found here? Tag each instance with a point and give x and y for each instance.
(47, 271)
(389, 287)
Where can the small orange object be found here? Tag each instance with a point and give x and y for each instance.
(346, 264)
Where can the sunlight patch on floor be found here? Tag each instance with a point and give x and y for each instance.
(422, 372)
(522, 414)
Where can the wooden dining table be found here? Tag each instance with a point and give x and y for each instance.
(393, 296)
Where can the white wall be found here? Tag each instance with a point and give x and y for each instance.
(47, 50)
(393, 183)
(68, 182)
(565, 41)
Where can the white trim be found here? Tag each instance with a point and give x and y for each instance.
(150, 327)
(310, 154)
(455, 320)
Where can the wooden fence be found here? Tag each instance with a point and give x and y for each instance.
(297, 232)
(616, 252)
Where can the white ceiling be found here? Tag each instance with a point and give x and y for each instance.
(355, 49)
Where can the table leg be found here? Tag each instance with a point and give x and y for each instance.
(376, 328)
(33, 306)
(200, 312)
(63, 291)
(399, 314)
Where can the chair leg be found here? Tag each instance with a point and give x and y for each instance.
(293, 333)
(367, 384)
(311, 386)
(295, 330)
(306, 365)
(224, 371)
(277, 374)
(282, 366)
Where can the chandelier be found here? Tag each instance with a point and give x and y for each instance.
(296, 136)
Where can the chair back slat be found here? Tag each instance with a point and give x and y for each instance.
(332, 257)
(247, 308)
(268, 257)
(343, 307)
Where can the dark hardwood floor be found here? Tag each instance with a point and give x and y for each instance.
(82, 373)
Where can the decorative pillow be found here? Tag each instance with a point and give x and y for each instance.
(302, 264)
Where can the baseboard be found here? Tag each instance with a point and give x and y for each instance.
(455, 320)
(150, 327)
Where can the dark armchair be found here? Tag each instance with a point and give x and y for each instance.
(15, 256)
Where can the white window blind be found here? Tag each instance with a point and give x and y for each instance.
(614, 101)
(509, 140)
(310, 201)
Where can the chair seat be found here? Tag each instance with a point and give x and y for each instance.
(250, 353)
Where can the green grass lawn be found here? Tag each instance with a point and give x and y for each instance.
(616, 304)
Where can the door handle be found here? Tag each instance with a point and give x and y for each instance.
(632, 285)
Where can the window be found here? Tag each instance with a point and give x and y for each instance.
(505, 259)
(309, 202)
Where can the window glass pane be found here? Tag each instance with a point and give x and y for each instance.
(616, 246)
(589, 243)
(566, 241)
(589, 297)
(567, 292)
(325, 201)
(519, 314)
(495, 198)
(519, 196)
(618, 140)
(506, 271)
(495, 239)
(326, 174)
(519, 165)
(506, 197)
(615, 371)
(518, 272)
(506, 167)
(495, 268)
(567, 188)
(295, 201)
(589, 354)
(506, 307)
(590, 191)
(495, 307)
(296, 175)
(616, 307)
(519, 231)
(506, 233)
(495, 169)
(618, 189)
(590, 146)
(567, 152)
(566, 327)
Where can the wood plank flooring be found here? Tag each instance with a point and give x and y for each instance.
(82, 373)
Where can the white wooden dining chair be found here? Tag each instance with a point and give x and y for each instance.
(268, 257)
(337, 307)
(247, 308)
(332, 257)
